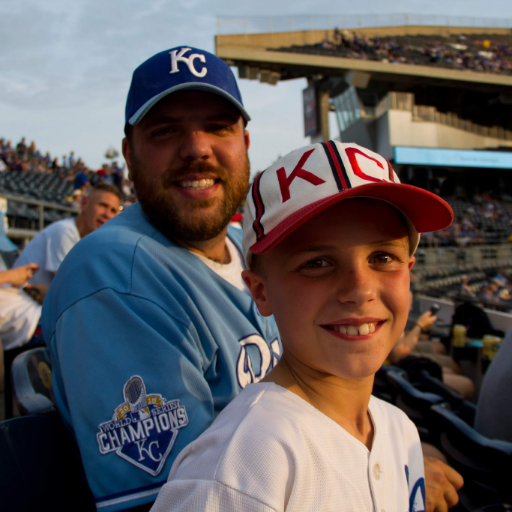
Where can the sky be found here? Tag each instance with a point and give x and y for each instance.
(65, 67)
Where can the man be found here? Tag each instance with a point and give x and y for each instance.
(159, 333)
(50, 246)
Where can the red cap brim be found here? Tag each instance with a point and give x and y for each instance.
(426, 211)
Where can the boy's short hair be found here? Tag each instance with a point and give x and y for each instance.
(308, 180)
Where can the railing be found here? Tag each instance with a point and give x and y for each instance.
(261, 24)
(405, 101)
(456, 256)
(41, 206)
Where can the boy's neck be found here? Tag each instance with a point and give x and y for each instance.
(344, 401)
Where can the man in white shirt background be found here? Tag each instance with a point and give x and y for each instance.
(49, 247)
(20, 308)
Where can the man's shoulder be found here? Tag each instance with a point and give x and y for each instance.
(109, 251)
(61, 227)
(130, 256)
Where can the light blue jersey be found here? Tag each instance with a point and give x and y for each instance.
(148, 346)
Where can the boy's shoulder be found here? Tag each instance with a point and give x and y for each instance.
(389, 417)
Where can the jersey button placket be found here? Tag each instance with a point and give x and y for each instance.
(376, 471)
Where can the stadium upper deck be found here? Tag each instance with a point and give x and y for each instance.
(439, 97)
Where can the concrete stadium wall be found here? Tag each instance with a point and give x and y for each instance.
(403, 131)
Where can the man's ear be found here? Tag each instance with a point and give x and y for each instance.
(127, 153)
(412, 260)
(256, 285)
(83, 202)
(247, 139)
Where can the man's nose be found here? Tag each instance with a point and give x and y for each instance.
(356, 286)
(195, 145)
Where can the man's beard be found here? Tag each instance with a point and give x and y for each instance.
(180, 223)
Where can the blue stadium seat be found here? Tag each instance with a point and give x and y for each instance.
(40, 469)
(485, 464)
(462, 408)
(415, 403)
(31, 377)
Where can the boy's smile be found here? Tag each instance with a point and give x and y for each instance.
(338, 287)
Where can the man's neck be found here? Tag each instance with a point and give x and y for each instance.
(214, 249)
(80, 225)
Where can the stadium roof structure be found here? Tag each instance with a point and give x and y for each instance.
(343, 79)
(263, 52)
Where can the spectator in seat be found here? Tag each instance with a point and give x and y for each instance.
(49, 247)
(21, 149)
(415, 342)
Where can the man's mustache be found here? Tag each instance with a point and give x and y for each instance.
(170, 177)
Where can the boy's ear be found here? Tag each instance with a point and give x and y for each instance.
(412, 260)
(256, 285)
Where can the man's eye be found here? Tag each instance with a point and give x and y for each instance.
(218, 127)
(163, 131)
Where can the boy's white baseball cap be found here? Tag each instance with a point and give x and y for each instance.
(308, 180)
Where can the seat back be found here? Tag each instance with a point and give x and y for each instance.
(484, 463)
(415, 403)
(31, 377)
(39, 467)
(431, 384)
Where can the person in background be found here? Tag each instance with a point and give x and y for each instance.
(51, 245)
(21, 149)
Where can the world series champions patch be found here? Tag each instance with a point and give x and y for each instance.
(143, 429)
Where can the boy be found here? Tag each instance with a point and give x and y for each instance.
(329, 236)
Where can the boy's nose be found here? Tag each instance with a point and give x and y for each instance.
(356, 287)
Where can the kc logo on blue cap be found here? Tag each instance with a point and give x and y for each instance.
(178, 57)
(178, 69)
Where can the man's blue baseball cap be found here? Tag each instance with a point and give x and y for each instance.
(178, 69)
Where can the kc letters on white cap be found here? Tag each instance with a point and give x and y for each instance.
(310, 179)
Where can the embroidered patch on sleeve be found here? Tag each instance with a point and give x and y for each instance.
(143, 429)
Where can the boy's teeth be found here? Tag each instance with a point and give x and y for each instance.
(362, 330)
(197, 184)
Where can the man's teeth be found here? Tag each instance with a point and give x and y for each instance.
(197, 184)
(353, 330)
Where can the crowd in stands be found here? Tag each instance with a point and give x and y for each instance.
(69, 175)
(480, 53)
(488, 283)
(480, 220)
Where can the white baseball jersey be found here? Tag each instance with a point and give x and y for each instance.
(269, 450)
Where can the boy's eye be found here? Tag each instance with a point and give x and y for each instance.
(317, 263)
(382, 258)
